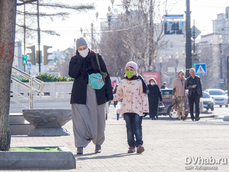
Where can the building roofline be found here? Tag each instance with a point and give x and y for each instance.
(210, 34)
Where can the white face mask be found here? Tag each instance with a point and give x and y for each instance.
(152, 83)
(84, 53)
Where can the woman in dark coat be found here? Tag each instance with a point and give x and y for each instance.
(154, 96)
(88, 104)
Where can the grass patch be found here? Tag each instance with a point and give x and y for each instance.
(35, 149)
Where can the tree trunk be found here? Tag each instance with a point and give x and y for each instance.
(7, 36)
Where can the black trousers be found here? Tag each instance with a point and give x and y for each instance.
(194, 99)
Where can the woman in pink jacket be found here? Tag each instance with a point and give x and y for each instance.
(133, 91)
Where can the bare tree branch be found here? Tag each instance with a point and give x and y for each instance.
(50, 32)
(63, 6)
(26, 2)
(59, 14)
(43, 14)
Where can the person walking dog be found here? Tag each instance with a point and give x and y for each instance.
(89, 96)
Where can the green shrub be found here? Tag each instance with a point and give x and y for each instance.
(71, 79)
(60, 78)
(51, 78)
(21, 79)
(46, 78)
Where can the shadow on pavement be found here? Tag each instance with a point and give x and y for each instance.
(159, 118)
(86, 156)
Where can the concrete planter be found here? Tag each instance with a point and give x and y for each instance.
(18, 126)
(38, 160)
(47, 122)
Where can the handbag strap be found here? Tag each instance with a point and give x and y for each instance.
(97, 58)
(104, 74)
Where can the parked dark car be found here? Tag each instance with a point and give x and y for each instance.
(167, 100)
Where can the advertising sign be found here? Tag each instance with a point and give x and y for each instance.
(174, 24)
(174, 27)
(115, 81)
(155, 75)
(173, 16)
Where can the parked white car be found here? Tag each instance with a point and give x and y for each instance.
(219, 96)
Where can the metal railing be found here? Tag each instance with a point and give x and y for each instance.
(30, 86)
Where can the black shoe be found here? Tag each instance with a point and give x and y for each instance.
(198, 118)
(80, 151)
(192, 119)
(98, 149)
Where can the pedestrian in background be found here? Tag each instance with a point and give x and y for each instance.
(154, 96)
(117, 104)
(118, 109)
(179, 95)
(133, 92)
(88, 104)
(194, 87)
(115, 90)
(163, 85)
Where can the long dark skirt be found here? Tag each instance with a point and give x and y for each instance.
(153, 113)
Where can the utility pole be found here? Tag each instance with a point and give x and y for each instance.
(150, 32)
(194, 37)
(188, 39)
(38, 36)
(24, 34)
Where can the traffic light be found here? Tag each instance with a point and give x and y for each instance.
(46, 54)
(24, 59)
(32, 55)
(195, 60)
(37, 57)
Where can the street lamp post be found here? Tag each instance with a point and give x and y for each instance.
(109, 15)
(81, 30)
(97, 15)
(188, 39)
(176, 58)
(126, 5)
(160, 61)
(220, 54)
(112, 1)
